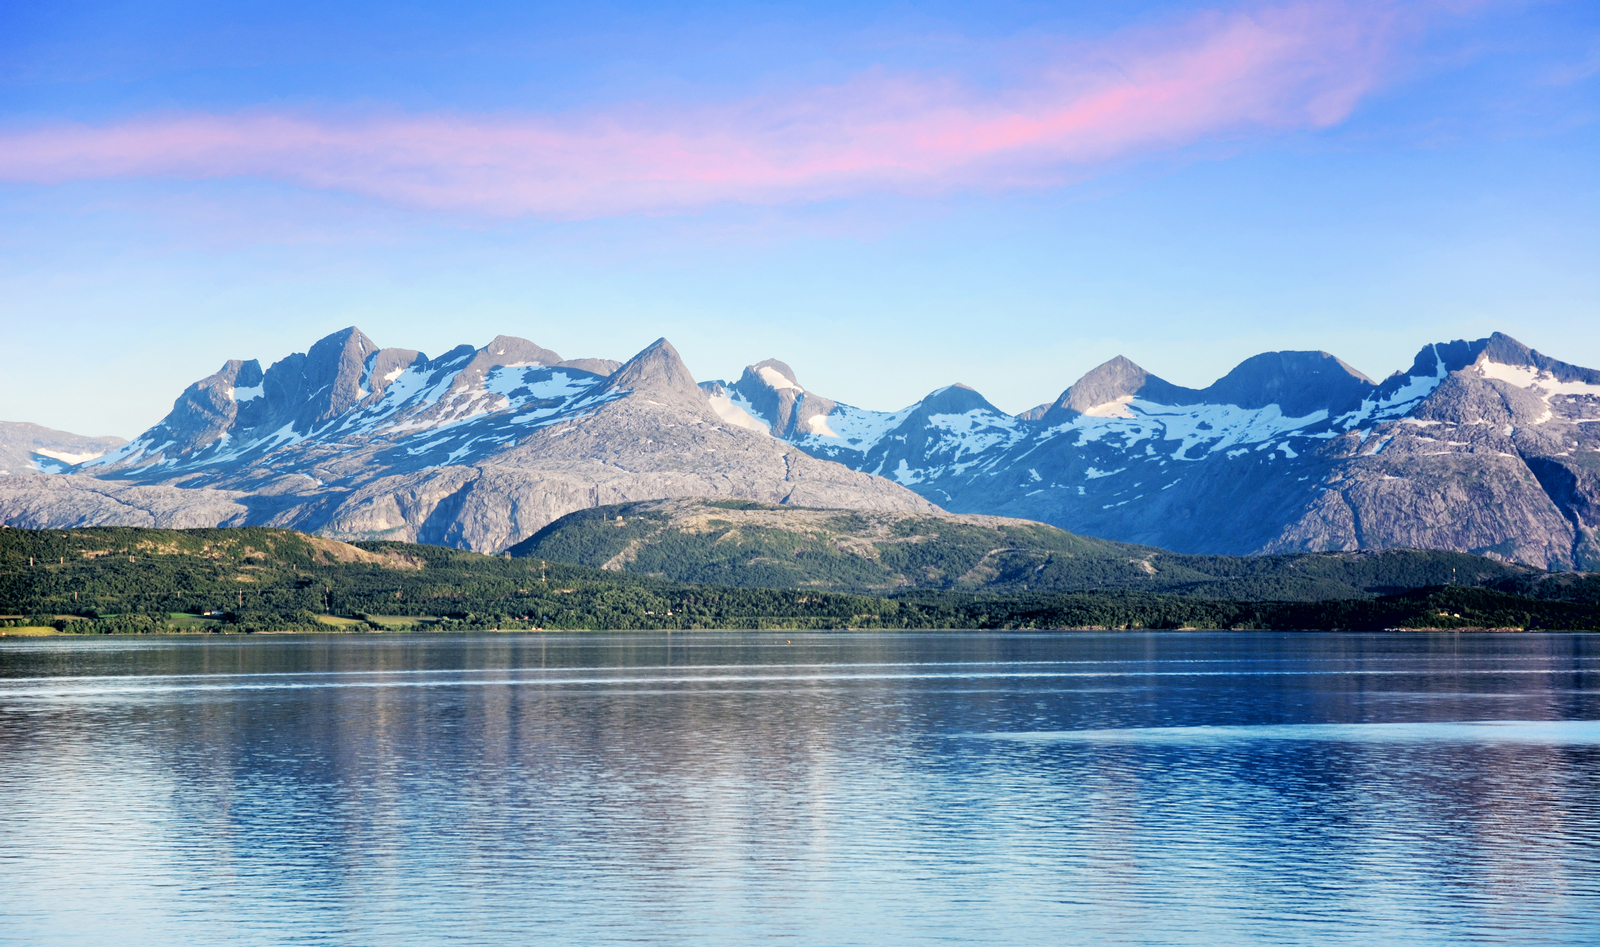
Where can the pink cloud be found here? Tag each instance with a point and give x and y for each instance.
(1269, 70)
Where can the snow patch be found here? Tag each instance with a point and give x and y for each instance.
(775, 379)
(861, 430)
(735, 415)
(68, 458)
(818, 424)
(974, 432)
(1112, 409)
(905, 475)
(1541, 383)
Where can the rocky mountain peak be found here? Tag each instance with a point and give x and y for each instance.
(208, 407)
(324, 382)
(1299, 383)
(1487, 358)
(774, 394)
(657, 370)
(957, 399)
(1502, 349)
(31, 448)
(1107, 388)
(1104, 384)
(511, 350)
(505, 350)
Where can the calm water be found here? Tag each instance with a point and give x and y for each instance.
(801, 789)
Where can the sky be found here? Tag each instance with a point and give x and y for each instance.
(889, 197)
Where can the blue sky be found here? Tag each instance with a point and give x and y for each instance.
(890, 198)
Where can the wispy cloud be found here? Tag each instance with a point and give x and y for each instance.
(1220, 75)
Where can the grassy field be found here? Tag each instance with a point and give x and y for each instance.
(404, 622)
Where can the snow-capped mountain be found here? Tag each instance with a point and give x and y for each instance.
(346, 391)
(477, 448)
(1482, 446)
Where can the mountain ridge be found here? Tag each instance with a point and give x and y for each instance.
(1482, 446)
(1126, 455)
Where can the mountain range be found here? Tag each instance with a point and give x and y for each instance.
(1483, 446)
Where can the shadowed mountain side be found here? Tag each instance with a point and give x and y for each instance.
(759, 545)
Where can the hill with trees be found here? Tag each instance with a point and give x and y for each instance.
(132, 580)
(760, 545)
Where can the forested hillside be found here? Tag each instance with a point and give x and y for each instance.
(743, 543)
(126, 580)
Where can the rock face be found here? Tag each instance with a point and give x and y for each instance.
(478, 448)
(1484, 447)
(29, 448)
(66, 502)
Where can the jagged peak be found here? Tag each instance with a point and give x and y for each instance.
(657, 369)
(337, 363)
(335, 347)
(234, 373)
(1504, 350)
(1497, 347)
(1107, 387)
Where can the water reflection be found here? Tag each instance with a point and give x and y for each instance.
(829, 789)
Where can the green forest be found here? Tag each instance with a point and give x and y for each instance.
(243, 580)
(754, 545)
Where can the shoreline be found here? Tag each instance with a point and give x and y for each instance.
(30, 633)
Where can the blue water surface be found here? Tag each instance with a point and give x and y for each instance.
(751, 788)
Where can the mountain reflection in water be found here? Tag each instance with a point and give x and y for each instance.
(736, 788)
